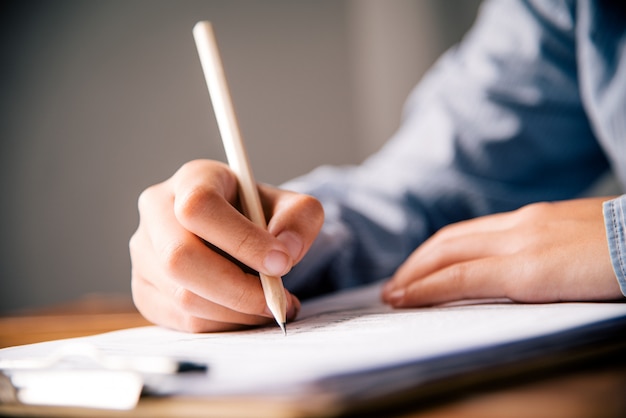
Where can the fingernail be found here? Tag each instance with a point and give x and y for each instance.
(276, 263)
(388, 287)
(396, 297)
(293, 243)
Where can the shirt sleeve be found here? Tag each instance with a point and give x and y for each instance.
(497, 123)
(615, 223)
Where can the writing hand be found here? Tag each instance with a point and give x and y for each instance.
(544, 252)
(192, 243)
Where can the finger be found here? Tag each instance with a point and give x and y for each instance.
(295, 219)
(190, 303)
(191, 313)
(493, 223)
(476, 279)
(459, 242)
(160, 309)
(164, 303)
(435, 255)
(204, 196)
(179, 256)
(184, 300)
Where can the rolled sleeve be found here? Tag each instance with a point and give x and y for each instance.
(615, 222)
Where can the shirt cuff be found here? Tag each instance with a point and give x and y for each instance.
(615, 222)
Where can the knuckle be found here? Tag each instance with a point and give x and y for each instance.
(240, 302)
(535, 210)
(191, 165)
(175, 256)
(196, 202)
(310, 202)
(146, 198)
(201, 165)
(184, 299)
(313, 209)
(193, 324)
(249, 243)
(443, 233)
(306, 202)
(309, 210)
(245, 302)
(444, 230)
(458, 275)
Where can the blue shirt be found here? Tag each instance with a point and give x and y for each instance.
(530, 106)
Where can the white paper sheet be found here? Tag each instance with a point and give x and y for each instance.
(347, 332)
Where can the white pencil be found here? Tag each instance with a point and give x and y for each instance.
(236, 154)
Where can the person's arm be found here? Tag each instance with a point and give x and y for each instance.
(498, 123)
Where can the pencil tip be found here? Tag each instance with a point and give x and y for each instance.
(283, 326)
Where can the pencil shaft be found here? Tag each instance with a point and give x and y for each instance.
(236, 153)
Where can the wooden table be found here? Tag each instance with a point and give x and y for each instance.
(594, 388)
(93, 314)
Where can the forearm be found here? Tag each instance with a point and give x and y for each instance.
(495, 125)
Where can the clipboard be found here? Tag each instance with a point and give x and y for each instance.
(373, 383)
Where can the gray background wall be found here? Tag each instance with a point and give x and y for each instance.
(100, 99)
